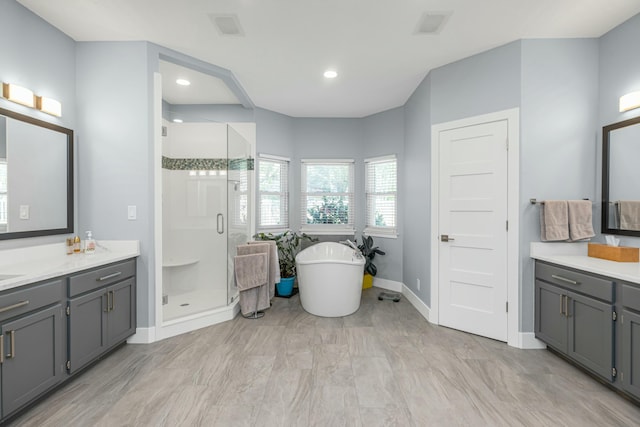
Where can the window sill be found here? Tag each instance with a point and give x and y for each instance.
(380, 234)
(328, 232)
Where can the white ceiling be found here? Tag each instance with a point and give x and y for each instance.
(288, 44)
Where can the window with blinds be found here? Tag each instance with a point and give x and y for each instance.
(381, 177)
(328, 196)
(273, 190)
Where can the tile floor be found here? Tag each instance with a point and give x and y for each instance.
(382, 366)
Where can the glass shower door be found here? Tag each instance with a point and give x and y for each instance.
(239, 178)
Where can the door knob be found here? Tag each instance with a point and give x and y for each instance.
(446, 238)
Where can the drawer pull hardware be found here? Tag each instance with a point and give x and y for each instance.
(109, 276)
(16, 305)
(564, 279)
(12, 345)
(1, 349)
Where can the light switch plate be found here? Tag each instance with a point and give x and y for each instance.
(24, 211)
(132, 213)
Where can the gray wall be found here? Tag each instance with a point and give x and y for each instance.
(619, 74)
(415, 183)
(42, 59)
(557, 138)
(115, 151)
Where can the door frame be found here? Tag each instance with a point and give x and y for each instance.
(512, 116)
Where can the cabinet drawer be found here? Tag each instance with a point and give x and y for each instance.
(594, 286)
(21, 300)
(631, 297)
(100, 277)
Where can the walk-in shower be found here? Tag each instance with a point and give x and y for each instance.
(207, 180)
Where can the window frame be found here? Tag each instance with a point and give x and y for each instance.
(372, 229)
(283, 194)
(328, 229)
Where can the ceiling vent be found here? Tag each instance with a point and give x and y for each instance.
(226, 24)
(432, 22)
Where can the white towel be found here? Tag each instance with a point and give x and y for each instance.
(580, 220)
(554, 221)
(629, 214)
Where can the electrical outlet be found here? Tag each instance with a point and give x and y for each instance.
(24, 211)
(418, 283)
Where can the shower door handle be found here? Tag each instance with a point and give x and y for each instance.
(220, 223)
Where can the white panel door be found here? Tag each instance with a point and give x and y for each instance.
(473, 214)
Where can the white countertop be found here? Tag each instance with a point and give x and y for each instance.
(36, 263)
(574, 255)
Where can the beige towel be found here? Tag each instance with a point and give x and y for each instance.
(266, 292)
(629, 214)
(580, 221)
(274, 264)
(554, 221)
(252, 276)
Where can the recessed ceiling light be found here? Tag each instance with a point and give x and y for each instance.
(183, 82)
(330, 74)
(177, 120)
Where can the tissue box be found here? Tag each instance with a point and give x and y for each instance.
(613, 253)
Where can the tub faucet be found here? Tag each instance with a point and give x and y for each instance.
(350, 243)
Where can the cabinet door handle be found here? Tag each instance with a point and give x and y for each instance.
(113, 300)
(566, 306)
(561, 305)
(1, 349)
(564, 279)
(106, 308)
(12, 345)
(13, 306)
(109, 276)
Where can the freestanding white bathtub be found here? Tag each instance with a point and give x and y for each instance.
(330, 279)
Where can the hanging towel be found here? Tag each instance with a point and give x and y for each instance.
(266, 292)
(252, 273)
(554, 221)
(580, 221)
(629, 214)
(274, 263)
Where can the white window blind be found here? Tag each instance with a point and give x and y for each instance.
(273, 187)
(327, 200)
(381, 177)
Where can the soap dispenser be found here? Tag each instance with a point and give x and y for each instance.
(89, 244)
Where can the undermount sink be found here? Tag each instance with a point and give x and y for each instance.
(8, 276)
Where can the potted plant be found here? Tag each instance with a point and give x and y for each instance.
(369, 252)
(288, 244)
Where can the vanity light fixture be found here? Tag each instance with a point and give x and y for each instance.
(183, 82)
(49, 106)
(630, 101)
(330, 74)
(18, 94)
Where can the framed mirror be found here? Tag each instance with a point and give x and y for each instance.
(620, 177)
(36, 177)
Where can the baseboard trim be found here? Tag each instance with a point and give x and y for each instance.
(390, 285)
(528, 341)
(417, 303)
(143, 336)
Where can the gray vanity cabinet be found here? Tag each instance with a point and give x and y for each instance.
(101, 311)
(630, 320)
(574, 315)
(32, 344)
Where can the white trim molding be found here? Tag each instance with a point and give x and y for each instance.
(390, 285)
(512, 116)
(143, 336)
(417, 303)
